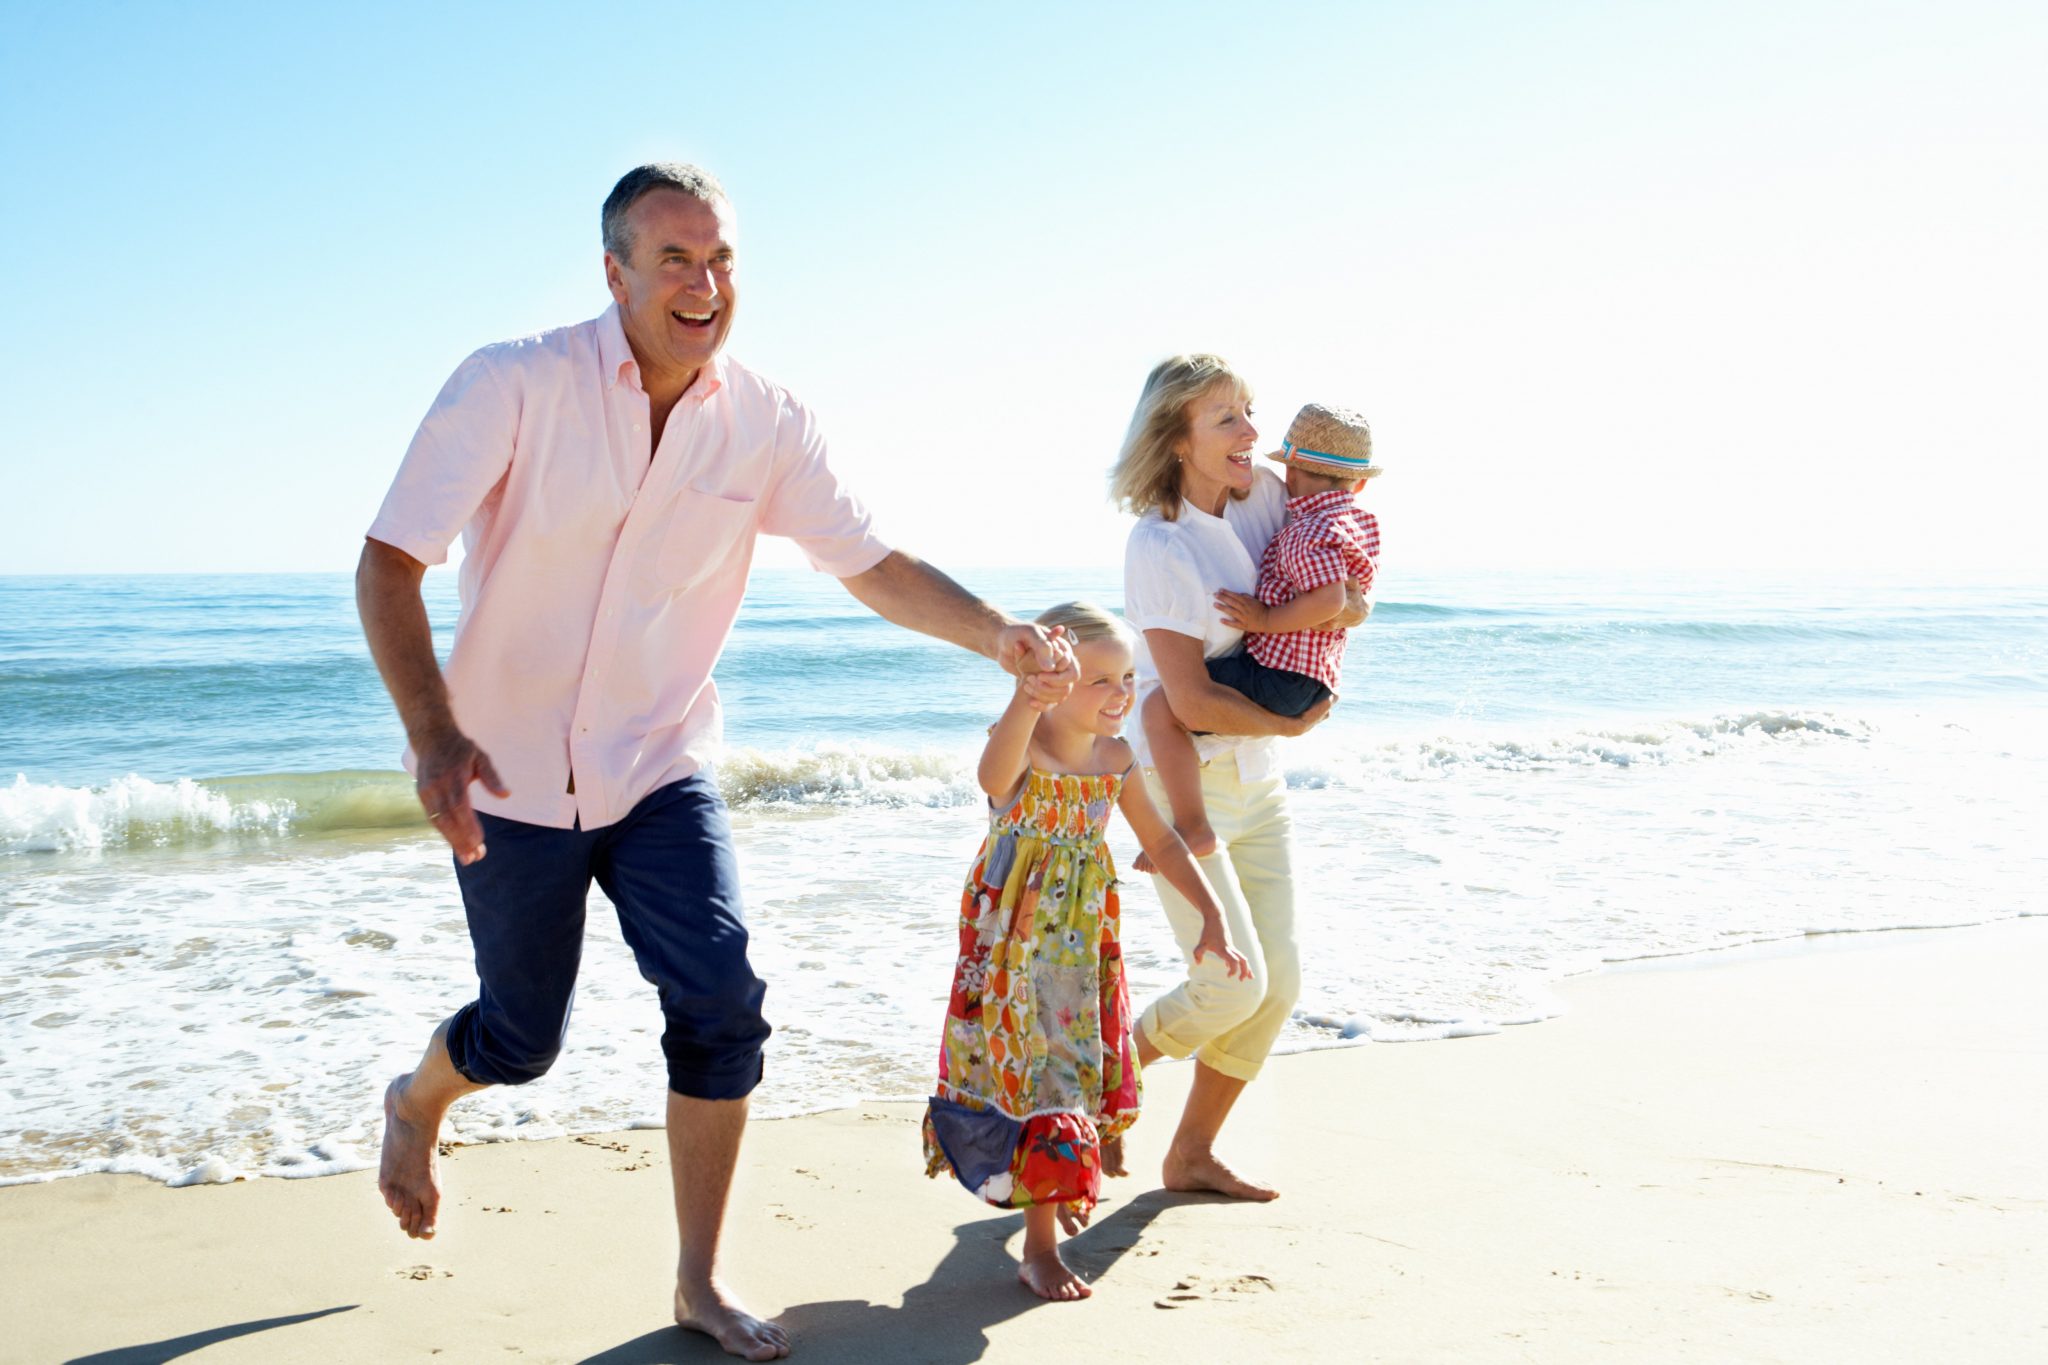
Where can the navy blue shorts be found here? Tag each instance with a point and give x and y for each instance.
(669, 868)
(1279, 691)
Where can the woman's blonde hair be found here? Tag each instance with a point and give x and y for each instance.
(1147, 472)
(1084, 622)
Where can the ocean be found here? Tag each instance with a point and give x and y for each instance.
(227, 927)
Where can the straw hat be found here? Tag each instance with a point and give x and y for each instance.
(1332, 441)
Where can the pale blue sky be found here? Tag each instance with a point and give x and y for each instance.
(1620, 285)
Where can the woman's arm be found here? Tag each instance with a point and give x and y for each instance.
(1007, 755)
(1203, 704)
(1182, 873)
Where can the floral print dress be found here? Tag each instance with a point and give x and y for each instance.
(1037, 1068)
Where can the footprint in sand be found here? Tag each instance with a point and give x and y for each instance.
(1198, 1288)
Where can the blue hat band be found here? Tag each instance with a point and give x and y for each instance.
(1346, 461)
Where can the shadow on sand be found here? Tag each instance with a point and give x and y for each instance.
(942, 1321)
(155, 1352)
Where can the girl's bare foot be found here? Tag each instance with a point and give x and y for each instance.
(1047, 1276)
(707, 1308)
(405, 1170)
(1202, 1172)
(1073, 1217)
(1113, 1157)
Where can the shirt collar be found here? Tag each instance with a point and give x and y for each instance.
(614, 355)
(615, 359)
(1320, 504)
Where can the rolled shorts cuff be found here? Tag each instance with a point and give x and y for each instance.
(470, 1058)
(1237, 1068)
(734, 1082)
(1156, 1034)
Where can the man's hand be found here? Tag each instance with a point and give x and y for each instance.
(1241, 611)
(447, 765)
(1042, 661)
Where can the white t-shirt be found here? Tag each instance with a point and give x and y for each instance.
(1172, 570)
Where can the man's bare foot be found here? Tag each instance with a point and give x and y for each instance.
(707, 1308)
(1204, 1173)
(1047, 1276)
(1113, 1157)
(406, 1174)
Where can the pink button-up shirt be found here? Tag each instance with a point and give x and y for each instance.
(601, 577)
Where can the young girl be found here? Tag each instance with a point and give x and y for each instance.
(1037, 1070)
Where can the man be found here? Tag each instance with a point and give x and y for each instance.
(610, 479)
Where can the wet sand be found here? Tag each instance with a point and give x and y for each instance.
(1827, 1153)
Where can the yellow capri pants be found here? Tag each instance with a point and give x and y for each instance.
(1230, 1025)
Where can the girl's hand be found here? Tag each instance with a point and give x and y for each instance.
(1045, 690)
(1241, 611)
(1216, 939)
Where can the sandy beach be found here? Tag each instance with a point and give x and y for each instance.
(1825, 1152)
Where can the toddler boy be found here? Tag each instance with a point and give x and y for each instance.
(1287, 664)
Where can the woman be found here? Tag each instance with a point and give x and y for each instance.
(1204, 517)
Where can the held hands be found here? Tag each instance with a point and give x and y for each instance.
(1042, 660)
(1241, 611)
(1216, 939)
(447, 764)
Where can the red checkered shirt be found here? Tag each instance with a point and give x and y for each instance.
(1326, 540)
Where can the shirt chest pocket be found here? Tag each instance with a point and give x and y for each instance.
(706, 534)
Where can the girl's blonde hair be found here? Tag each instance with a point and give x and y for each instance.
(1084, 622)
(1147, 472)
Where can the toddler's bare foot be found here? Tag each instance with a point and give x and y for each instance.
(1203, 1172)
(706, 1307)
(1143, 863)
(1073, 1217)
(1113, 1157)
(405, 1171)
(1200, 839)
(1047, 1276)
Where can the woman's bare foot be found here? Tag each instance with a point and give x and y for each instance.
(1113, 1157)
(406, 1174)
(1203, 1173)
(707, 1308)
(1047, 1276)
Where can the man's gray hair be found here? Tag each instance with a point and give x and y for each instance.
(694, 181)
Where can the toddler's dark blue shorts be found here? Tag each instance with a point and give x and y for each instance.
(1281, 692)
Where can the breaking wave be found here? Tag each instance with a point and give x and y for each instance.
(136, 812)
